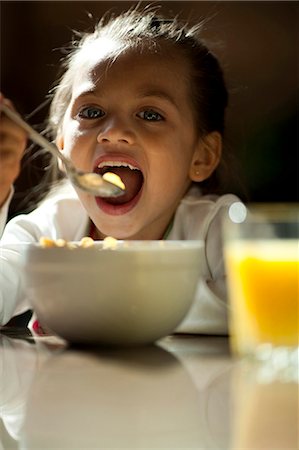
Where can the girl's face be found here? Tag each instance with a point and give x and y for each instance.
(133, 117)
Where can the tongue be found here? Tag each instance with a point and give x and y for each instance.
(132, 180)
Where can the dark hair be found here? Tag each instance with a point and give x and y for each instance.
(147, 30)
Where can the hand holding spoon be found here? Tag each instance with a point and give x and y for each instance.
(91, 182)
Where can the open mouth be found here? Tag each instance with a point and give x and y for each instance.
(131, 176)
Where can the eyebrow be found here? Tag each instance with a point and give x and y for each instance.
(158, 93)
(143, 93)
(86, 93)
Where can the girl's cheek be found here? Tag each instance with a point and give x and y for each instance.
(80, 149)
(71, 146)
(72, 136)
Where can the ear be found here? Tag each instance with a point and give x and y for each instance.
(206, 156)
(59, 141)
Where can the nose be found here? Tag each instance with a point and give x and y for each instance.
(115, 131)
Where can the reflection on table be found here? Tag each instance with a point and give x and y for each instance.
(185, 392)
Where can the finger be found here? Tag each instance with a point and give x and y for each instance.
(11, 135)
(12, 143)
(6, 101)
(10, 166)
(8, 127)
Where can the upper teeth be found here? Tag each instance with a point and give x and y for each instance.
(116, 164)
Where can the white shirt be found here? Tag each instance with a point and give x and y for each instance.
(61, 215)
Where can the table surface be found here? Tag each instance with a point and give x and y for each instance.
(184, 392)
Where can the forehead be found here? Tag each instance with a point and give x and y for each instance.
(107, 63)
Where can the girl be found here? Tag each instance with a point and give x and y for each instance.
(143, 97)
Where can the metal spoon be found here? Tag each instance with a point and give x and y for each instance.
(91, 182)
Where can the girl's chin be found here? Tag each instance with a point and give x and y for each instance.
(117, 227)
(123, 235)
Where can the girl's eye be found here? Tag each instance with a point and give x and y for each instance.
(150, 115)
(91, 112)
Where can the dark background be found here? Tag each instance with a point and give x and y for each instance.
(256, 42)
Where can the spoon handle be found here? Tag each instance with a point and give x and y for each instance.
(90, 182)
(34, 135)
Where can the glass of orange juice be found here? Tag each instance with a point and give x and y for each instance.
(261, 252)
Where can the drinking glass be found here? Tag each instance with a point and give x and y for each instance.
(261, 254)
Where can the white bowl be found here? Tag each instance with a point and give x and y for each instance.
(133, 294)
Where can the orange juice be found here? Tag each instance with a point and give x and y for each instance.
(263, 283)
